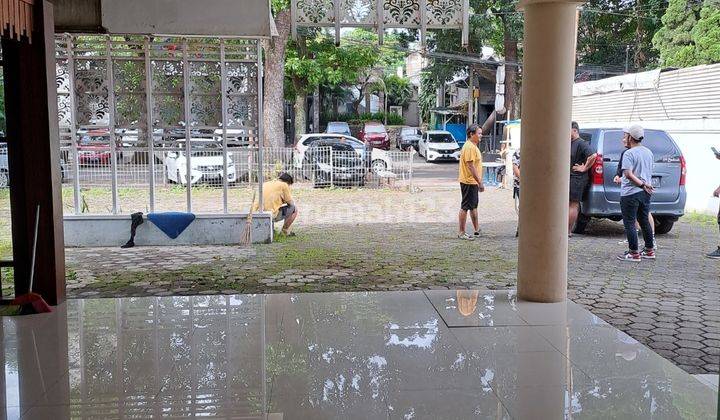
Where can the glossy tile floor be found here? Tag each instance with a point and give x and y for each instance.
(405, 355)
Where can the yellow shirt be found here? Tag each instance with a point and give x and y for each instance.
(275, 194)
(470, 153)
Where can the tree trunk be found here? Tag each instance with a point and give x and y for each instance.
(316, 110)
(273, 90)
(511, 56)
(300, 114)
(336, 105)
(381, 100)
(368, 102)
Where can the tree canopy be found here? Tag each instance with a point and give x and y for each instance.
(690, 34)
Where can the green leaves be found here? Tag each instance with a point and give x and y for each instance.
(315, 61)
(706, 34)
(690, 34)
(399, 90)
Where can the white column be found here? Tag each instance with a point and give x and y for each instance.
(548, 70)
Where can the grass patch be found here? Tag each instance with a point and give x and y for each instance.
(700, 218)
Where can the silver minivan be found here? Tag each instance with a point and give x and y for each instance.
(602, 199)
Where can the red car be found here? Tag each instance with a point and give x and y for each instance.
(375, 135)
(94, 148)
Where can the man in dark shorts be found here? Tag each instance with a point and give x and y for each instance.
(470, 182)
(716, 254)
(582, 158)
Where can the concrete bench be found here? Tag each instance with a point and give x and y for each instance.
(207, 229)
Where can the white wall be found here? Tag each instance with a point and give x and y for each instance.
(694, 137)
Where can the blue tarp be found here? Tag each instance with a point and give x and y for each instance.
(172, 223)
(457, 130)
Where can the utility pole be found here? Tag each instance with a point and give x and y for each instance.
(627, 58)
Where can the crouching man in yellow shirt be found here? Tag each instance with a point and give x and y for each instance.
(278, 199)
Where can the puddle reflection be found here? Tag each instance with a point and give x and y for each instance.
(365, 355)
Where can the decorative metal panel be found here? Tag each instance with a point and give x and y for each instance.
(242, 112)
(167, 93)
(358, 12)
(241, 79)
(401, 13)
(316, 11)
(62, 83)
(129, 86)
(409, 14)
(132, 89)
(91, 93)
(241, 95)
(205, 94)
(443, 13)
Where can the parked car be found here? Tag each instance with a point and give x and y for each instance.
(375, 135)
(344, 166)
(94, 148)
(408, 137)
(205, 166)
(603, 196)
(4, 167)
(338, 127)
(236, 137)
(375, 159)
(437, 145)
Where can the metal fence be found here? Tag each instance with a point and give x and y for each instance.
(157, 123)
(137, 111)
(220, 182)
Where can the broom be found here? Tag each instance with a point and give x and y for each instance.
(32, 303)
(246, 237)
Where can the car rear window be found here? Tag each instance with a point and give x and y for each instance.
(658, 142)
(374, 128)
(310, 140)
(335, 145)
(338, 128)
(587, 136)
(440, 138)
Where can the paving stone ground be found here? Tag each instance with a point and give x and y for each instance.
(355, 241)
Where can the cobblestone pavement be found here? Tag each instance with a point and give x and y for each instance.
(672, 304)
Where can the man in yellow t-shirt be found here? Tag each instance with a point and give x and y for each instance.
(470, 181)
(277, 199)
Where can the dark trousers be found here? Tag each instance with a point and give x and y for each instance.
(636, 207)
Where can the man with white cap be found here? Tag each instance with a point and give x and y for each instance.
(635, 191)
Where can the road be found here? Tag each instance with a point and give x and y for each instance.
(434, 174)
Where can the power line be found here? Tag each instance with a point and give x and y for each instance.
(461, 58)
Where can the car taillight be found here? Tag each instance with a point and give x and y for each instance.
(683, 170)
(597, 171)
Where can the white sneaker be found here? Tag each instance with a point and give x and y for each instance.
(464, 236)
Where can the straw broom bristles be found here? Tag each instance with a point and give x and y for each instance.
(246, 237)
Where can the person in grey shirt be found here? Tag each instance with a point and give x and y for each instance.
(635, 191)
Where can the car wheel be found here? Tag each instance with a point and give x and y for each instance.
(378, 165)
(663, 225)
(4, 179)
(581, 223)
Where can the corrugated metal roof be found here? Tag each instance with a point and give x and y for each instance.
(684, 94)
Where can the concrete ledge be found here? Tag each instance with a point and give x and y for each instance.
(207, 229)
